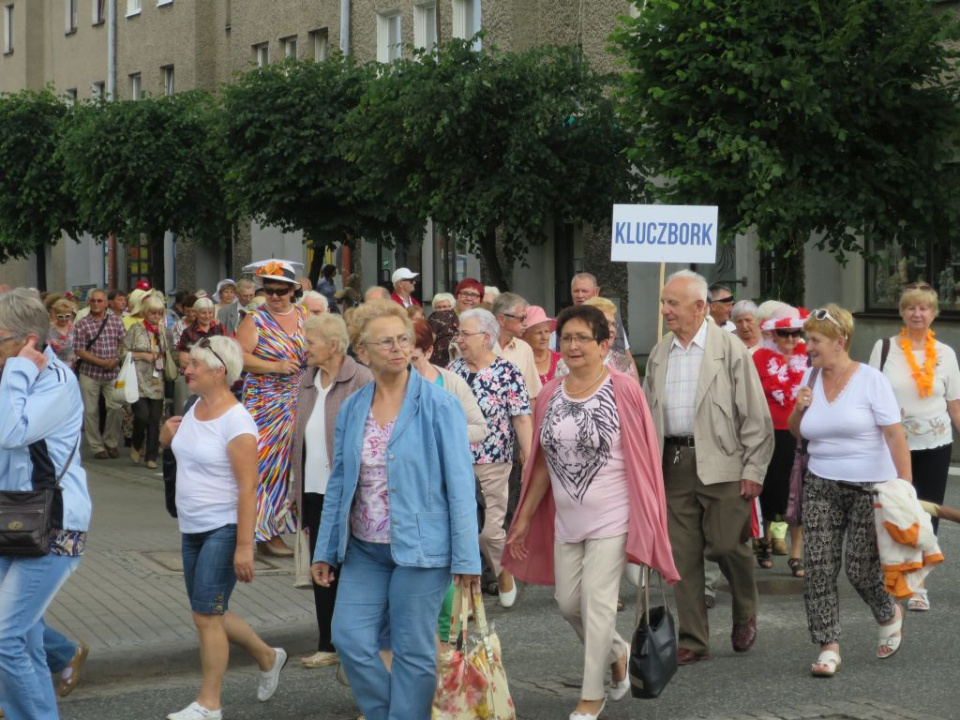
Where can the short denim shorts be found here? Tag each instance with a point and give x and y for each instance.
(208, 569)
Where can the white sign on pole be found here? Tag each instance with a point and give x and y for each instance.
(664, 233)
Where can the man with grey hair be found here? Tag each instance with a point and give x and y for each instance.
(510, 310)
(96, 340)
(714, 429)
(583, 287)
(721, 301)
(376, 292)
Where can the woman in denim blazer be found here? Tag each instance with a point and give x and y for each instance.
(399, 518)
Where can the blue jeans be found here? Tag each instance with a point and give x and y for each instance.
(58, 648)
(373, 587)
(27, 586)
(208, 569)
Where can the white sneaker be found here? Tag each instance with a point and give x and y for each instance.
(270, 679)
(196, 711)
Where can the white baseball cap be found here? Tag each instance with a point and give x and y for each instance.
(403, 274)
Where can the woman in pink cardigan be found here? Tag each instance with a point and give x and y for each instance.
(592, 500)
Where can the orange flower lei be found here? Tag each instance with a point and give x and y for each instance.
(923, 378)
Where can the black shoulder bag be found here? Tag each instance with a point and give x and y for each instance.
(29, 517)
(653, 654)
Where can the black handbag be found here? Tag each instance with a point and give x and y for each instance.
(653, 654)
(29, 517)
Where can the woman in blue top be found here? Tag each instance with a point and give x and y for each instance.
(39, 434)
(399, 517)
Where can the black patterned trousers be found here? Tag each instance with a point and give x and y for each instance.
(830, 511)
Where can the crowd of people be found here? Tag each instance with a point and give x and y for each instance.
(375, 429)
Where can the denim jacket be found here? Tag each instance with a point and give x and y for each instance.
(433, 508)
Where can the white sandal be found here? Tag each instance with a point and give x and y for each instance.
(888, 637)
(919, 601)
(830, 660)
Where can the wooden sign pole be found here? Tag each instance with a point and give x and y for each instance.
(663, 268)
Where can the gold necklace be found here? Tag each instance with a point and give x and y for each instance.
(583, 390)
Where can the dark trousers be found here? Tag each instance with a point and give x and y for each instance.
(323, 598)
(146, 422)
(930, 469)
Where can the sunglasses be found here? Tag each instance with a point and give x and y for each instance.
(789, 333)
(822, 314)
(279, 292)
(64, 317)
(723, 300)
(206, 345)
(918, 286)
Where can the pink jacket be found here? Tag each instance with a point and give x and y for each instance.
(647, 540)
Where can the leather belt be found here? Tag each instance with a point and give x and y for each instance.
(681, 440)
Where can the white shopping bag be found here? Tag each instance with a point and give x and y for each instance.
(126, 383)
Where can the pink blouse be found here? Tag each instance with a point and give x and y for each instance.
(370, 516)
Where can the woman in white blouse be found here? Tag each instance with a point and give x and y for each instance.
(926, 381)
(851, 420)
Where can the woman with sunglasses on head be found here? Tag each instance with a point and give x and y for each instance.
(926, 381)
(852, 422)
(215, 444)
(274, 355)
(399, 518)
(781, 369)
(62, 314)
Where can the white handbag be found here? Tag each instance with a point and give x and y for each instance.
(126, 385)
(301, 561)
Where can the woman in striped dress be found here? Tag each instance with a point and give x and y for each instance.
(274, 356)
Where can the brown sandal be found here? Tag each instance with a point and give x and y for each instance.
(796, 567)
(765, 555)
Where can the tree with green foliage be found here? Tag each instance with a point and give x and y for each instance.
(34, 206)
(799, 119)
(280, 123)
(146, 167)
(491, 145)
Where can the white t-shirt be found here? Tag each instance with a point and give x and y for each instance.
(846, 442)
(316, 471)
(206, 487)
(926, 420)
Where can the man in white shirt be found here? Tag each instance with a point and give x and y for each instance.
(716, 435)
(510, 310)
(721, 302)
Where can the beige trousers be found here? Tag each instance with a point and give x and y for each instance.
(90, 391)
(587, 588)
(494, 479)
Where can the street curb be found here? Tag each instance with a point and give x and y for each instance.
(108, 665)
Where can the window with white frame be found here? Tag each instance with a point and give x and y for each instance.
(8, 28)
(99, 11)
(98, 90)
(389, 37)
(161, 3)
(70, 11)
(169, 87)
(261, 53)
(425, 25)
(136, 91)
(320, 43)
(70, 97)
(133, 7)
(466, 19)
(289, 46)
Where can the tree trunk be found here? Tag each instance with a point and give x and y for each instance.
(788, 277)
(491, 271)
(41, 255)
(158, 273)
(316, 263)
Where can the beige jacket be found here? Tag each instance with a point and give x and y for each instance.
(733, 431)
(476, 424)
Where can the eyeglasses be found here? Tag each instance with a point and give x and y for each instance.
(822, 314)
(8, 338)
(466, 334)
(789, 333)
(578, 339)
(723, 300)
(918, 286)
(96, 300)
(388, 344)
(206, 345)
(466, 294)
(279, 292)
(521, 318)
(64, 317)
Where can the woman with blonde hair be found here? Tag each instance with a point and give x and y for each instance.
(62, 315)
(399, 518)
(926, 380)
(851, 419)
(621, 362)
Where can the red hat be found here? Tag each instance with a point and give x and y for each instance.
(143, 285)
(469, 284)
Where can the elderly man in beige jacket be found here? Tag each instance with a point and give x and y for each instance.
(716, 435)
